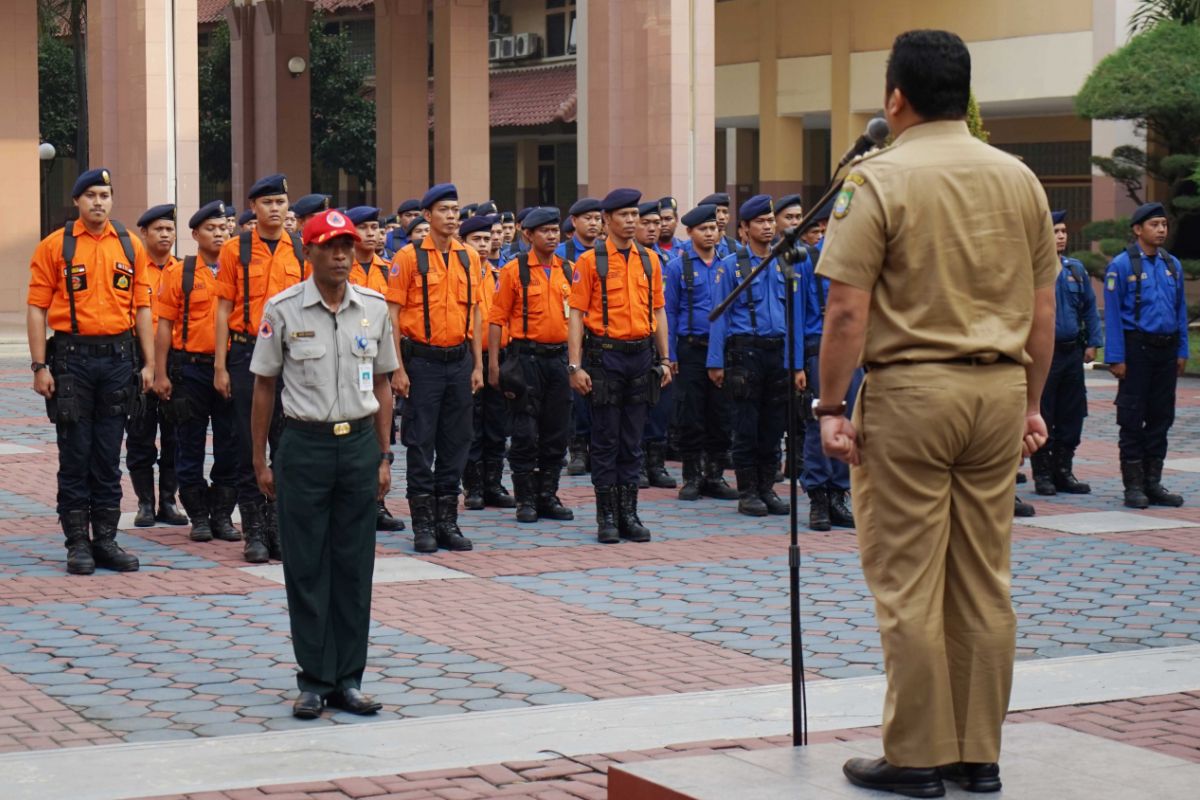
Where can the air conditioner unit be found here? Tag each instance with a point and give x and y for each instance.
(499, 24)
(528, 45)
(507, 46)
(493, 49)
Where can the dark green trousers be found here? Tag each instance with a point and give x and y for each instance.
(326, 488)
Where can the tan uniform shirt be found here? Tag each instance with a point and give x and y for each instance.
(951, 237)
(328, 359)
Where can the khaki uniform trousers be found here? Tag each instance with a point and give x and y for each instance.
(933, 500)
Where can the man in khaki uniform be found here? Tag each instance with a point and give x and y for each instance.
(942, 260)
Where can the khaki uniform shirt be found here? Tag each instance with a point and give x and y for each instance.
(328, 359)
(951, 237)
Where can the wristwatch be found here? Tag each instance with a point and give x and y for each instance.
(572, 369)
(828, 411)
(388, 457)
(37, 366)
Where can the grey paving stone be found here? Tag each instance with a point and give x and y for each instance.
(468, 693)
(132, 724)
(73, 689)
(225, 689)
(439, 683)
(557, 698)
(432, 710)
(156, 695)
(229, 729)
(123, 710)
(183, 706)
(494, 704)
(205, 717)
(164, 735)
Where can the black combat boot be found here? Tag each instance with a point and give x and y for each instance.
(168, 512)
(254, 549)
(494, 493)
(656, 467)
(691, 477)
(420, 508)
(818, 509)
(643, 481)
(578, 463)
(79, 545)
(607, 529)
(271, 530)
(449, 535)
(143, 487)
(1064, 473)
(1021, 508)
(766, 490)
(1155, 492)
(525, 486)
(1043, 473)
(384, 521)
(105, 550)
(713, 485)
(1133, 474)
(195, 500)
(630, 524)
(548, 504)
(839, 509)
(749, 503)
(221, 502)
(472, 481)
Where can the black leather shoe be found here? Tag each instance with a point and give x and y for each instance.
(878, 774)
(1023, 509)
(353, 701)
(973, 777)
(307, 706)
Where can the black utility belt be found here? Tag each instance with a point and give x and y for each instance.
(532, 348)
(989, 360)
(65, 343)
(237, 337)
(184, 357)
(617, 345)
(411, 349)
(693, 341)
(761, 342)
(812, 346)
(1154, 339)
(329, 428)
(1066, 345)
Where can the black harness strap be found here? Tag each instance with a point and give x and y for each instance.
(570, 249)
(602, 273)
(1135, 263)
(523, 273)
(423, 268)
(189, 281)
(244, 243)
(68, 254)
(689, 280)
(742, 270)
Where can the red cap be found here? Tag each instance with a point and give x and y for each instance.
(327, 225)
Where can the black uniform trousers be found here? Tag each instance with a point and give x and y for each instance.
(1146, 397)
(702, 408)
(196, 384)
(757, 383)
(99, 379)
(658, 417)
(541, 422)
(581, 416)
(436, 428)
(241, 382)
(140, 434)
(1064, 400)
(619, 403)
(326, 487)
(490, 420)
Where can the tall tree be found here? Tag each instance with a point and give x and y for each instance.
(59, 18)
(216, 144)
(343, 119)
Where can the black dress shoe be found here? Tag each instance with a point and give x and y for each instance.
(878, 774)
(974, 777)
(354, 701)
(307, 706)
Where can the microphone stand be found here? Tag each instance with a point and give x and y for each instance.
(788, 253)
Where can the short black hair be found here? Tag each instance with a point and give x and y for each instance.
(933, 71)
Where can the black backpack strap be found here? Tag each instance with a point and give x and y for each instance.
(568, 268)
(523, 272)
(689, 280)
(383, 270)
(298, 249)
(189, 281)
(570, 249)
(423, 270)
(244, 243)
(68, 254)
(743, 269)
(127, 247)
(464, 258)
(601, 250)
(649, 268)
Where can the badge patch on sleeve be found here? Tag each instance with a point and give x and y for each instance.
(267, 330)
(841, 206)
(1111, 282)
(121, 281)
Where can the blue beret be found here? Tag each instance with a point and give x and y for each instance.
(467, 211)
(487, 207)
(618, 199)
(93, 177)
(1058, 217)
(246, 216)
(584, 205)
(523, 213)
(264, 187)
(668, 202)
(568, 226)
(646, 209)
(213, 210)
(231, 211)
(508, 216)
(408, 205)
(310, 204)
(716, 199)
(1147, 211)
(413, 223)
(545, 215)
(700, 215)
(390, 219)
(824, 212)
(155, 213)
(787, 201)
(755, 207)
(477, 223)
(442, 191)
(360, 214)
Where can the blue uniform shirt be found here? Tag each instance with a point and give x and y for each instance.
(1075, 305)
(725, 246)
(767, 293)
(675, 290)
(580, 249)
(816, 297)
(1163, 310)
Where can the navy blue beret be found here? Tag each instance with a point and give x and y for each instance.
(213, 210)
(477, 223)
(413, 223)
(442, 191)
(1147, 211)
(508, 216)
(155, 213)
(584, 205)
(522, 213)
(487, 207)
(545, 215)
(787, 201)
(231, 211)
(408, 205)
(93, 177)
(755, 207)
(825, 211)
(699, 215)
(390, 219)
(716, 199)
(668, 202)
(310, 204)
(646, 209)
(1058, 217)
(568, 226)
(265, 187)
(246, 216)
(467, 211)
(618, 199)
(360, 214)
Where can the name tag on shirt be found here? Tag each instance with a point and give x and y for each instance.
(366, 376)
(303, 334)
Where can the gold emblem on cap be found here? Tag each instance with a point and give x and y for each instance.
(104, 176)
(221, 207)
(285, 185)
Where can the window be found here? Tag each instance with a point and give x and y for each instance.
(560, 28)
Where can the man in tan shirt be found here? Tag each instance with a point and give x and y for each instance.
(942, 259)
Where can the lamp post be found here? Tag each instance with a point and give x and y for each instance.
(46, 153)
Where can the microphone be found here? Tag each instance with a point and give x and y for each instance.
(873, 136)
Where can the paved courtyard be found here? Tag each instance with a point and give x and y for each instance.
(526, 667)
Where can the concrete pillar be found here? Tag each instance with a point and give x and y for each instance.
(461, 131)
(241, 99)
(401, 100)
(662, 50)
(1110, 20)
(527, 173)
(781, 139)
(843, 128)
(19, 151)
(144, 106)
